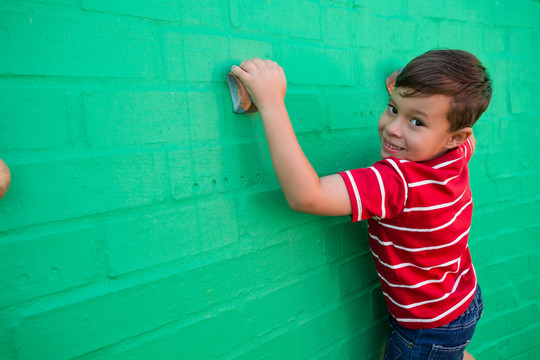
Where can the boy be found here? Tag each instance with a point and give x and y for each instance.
(417, 199)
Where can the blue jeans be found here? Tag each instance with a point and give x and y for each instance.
(446, 342)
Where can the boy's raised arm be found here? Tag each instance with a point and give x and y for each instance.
(266, 84)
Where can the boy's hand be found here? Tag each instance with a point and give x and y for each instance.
(264, 80)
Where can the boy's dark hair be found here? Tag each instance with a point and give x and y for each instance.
(455, 73)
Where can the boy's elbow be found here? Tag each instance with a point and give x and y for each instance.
(302, 204)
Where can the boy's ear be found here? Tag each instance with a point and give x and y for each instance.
(458, 137)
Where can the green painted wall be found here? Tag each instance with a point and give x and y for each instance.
(144, 220)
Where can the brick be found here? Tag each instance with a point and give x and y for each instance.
(336, 26)
(390, 7)
(474, 39)
(527, 288)
(278, 307)
(305, 246)
(464, 11)
(404, 38)
(354, 238)
(196, 57)
(452, 34)
(119, 117)
(494, 274)
(428, 33)
(371, 342)
(241, 49)
(282, 346)
(261, 221)
(499, 72)
(495, 39)
(520, 13)
(502, 299)
(355, 274)
(353, 110)
(330, 326)
(367, 33)
(126, 312)
(215, 169)
(318, 333)
(515, 344)
(520, 96)
(208, 13)
(151, 10)
(210, 338)
(35, 265)
(305, 118)
(56, 46)
(64, 189)
(137, 242)
(332, 249)
(520, 265)
(205, 120)
(7, 350)
(207, 57)
(490, 328)
(479, 242)
(300, 19)
(522, 317)
(237, 277)
(42, 109)
(378, 304)
(326, 66)
(494, 161)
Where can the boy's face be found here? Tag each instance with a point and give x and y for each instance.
(415, 128)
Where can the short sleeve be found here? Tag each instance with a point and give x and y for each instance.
(377, 191)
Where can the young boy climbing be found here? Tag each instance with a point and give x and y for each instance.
(416, 199)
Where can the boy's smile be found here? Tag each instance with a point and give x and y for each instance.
(415, 128)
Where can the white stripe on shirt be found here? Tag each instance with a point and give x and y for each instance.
(402, 178)
(383, 192)
(402, 265)
(453, 308)
(410, 306)
(420, 284)
(355, 189)
(435, 207)
(390, 243)
(428, 230)
(446, 163)
(426, 182)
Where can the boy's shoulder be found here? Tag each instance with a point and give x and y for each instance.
(441, 169)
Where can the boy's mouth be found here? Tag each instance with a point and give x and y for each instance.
(391, 147)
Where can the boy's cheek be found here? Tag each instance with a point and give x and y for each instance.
(382, 123)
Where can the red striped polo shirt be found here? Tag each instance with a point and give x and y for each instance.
(419, 220)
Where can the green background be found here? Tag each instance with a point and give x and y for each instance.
(144, 220)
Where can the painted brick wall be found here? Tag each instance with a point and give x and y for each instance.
(144, 220)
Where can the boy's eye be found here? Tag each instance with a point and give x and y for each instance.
(417, 122)
(392, 109)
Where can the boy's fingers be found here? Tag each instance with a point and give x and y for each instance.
(239, 72)
(282, 73)
(244, 63)
(258, 62)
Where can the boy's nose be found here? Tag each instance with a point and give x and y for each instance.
(393, 128)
